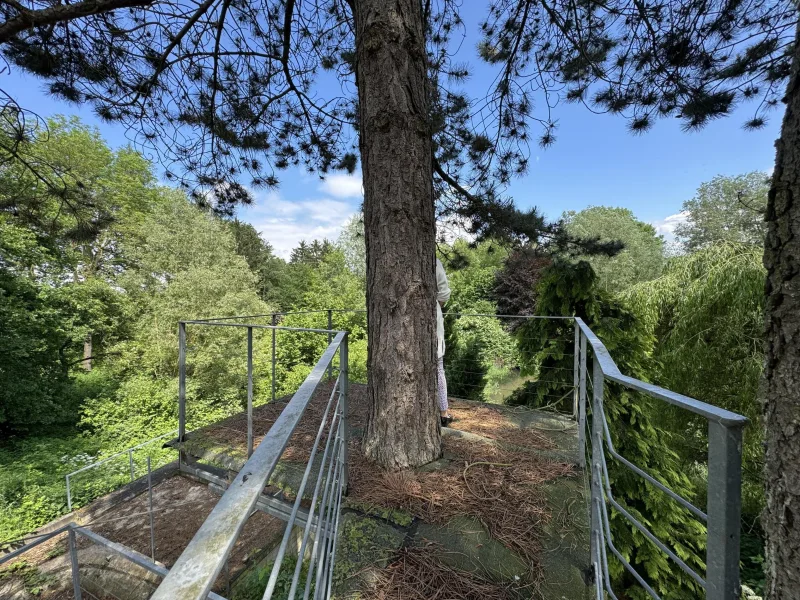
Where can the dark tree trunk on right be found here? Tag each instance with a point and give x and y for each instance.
(781, 382)
(399, 230)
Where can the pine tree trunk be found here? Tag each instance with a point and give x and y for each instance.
(87, 352)
(781, 381)
(399, 230)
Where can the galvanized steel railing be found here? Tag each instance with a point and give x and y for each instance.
(131, 465)
(201, 562)
(723, 511)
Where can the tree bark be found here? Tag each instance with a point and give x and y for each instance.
(781, 380)
(399, 230)
(87, 352)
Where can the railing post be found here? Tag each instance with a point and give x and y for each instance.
(274, 338)
(150, 506)
(575, 368)
(724, 511)
(181, 384)
(582, 405)
(69, 497)
(73, 557)
(344, 374)
(130, 462)
(330, 338)
(249, 392)
(597, 449)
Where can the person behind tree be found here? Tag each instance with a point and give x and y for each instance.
(442, 296)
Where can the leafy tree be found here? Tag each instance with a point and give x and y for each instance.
(330, 286)
(516, 284)
(185, 266)
(33, 370)
(351, 243)
(727, 209)
(547, 345)
(61, 254)
(269, 269)
(480, 352)
(642, 258)
(104, 195)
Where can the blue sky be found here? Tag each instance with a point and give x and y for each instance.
(595, 161)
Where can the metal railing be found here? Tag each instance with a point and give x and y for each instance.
(73, 532)
(722, 515)
(723, 511)
(108, 459)
(201, 562)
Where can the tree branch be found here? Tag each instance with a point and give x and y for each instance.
(27, 19)
(452, 182)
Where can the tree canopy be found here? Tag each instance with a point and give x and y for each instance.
(642, 257)
(244, 89)
(726, 209)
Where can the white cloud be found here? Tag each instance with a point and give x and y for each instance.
(343, 186)
(667, 225)
(284, 224)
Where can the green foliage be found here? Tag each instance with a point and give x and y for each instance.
(330, 286)
(642, 258)
(62, 235)
(32, 473)
(570, 289)
(186, 267)
(33, 374)
(480, 353)
(706, 313)
(726, 209)
(252, 584)
(34, 581)
(352, 244)
(270, 271)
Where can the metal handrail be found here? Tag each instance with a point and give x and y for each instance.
(202, 560)
(723, 510)
(612, 372)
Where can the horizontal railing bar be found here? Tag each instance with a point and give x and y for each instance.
(201, 562)
(248, 325)
(611, 371)
(42, 539)
(120, 453)
(610, 543)
(647, 533)
(675, 496)
(362, 310)
(132, 555)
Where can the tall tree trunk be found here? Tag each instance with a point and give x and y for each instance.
(399, 230)
(781, 382)
(87, 352)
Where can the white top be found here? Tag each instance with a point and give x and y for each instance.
(442, 296)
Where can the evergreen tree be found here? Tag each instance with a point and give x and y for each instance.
(225, 89)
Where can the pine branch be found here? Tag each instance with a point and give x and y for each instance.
(28, 19)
